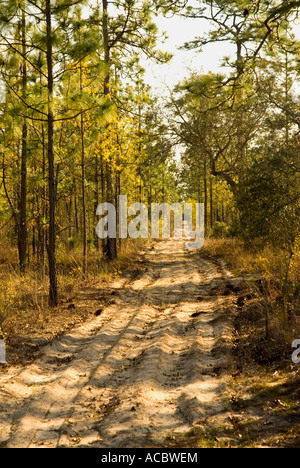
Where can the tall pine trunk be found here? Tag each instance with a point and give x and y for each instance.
(84, 213)
(96, 201)
(53, 293)
(22, 230)
(111, 244)
(205, 193)
(211, 202)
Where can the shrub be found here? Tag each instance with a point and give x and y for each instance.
(220, 230)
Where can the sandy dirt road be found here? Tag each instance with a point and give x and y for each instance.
(149, 369)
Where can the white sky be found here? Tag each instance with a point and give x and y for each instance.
(181, 30)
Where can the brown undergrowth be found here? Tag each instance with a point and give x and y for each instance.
(27, 322)
(264, 399)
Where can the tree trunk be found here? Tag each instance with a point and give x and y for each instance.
(111, 244)
(102, 175)
(84, 214)
(96, 202)
(211, 201)
(76, 207)
(205, 195)
(53, 295)
(22, 231)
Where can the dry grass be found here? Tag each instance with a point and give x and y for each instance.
(265, 383)
(25, 317)
(277, 302)
(246, 259)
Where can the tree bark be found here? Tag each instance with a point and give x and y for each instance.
(111, 244)
(84, 213)
(205, 194)
(96, 202)
(53, 293)
(22, 231)
(211, 202)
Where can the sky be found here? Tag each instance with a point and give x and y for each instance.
(180, 30)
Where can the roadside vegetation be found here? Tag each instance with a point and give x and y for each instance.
(79, 127)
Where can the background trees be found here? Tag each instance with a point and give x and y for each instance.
(75, 129)
(80, 126)
(237, 126)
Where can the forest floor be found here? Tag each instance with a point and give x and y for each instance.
(163, 356)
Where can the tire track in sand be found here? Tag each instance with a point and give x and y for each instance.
(153, 366)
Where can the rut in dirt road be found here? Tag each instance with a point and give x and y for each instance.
(150, 368)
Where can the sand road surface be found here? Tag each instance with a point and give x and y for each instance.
(149, 369)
